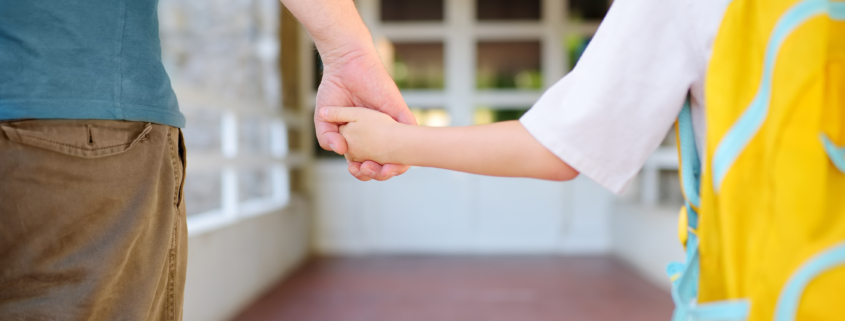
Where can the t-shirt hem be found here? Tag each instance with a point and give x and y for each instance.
(88, 109)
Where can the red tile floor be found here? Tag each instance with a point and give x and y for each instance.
(462, 288)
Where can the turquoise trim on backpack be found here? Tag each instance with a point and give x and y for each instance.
(790, 296)
(752, 119)
(728, 310)
(835, 153)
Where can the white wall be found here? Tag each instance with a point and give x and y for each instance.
(437, 211)
(646, 238)
(230, 267)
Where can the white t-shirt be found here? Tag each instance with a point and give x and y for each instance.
(609, 114)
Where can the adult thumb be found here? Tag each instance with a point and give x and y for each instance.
(338, 114)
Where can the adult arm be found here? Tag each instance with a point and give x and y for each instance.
(499, 149)
(353, 75)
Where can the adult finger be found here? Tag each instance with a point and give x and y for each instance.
(355, 169)
(406, 117)
(340, 115)
(372, 170)
(399, 111)
(392, 170)
(328, 136)
(388, 100)
(382, 172)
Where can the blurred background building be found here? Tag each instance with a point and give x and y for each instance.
(263, 198)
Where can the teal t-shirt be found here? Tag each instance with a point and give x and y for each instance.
(83, 59)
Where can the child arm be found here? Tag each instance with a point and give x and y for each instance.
(498, 149)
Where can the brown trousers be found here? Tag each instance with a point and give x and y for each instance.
(92, 223)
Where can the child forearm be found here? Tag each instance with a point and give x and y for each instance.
(498, 149)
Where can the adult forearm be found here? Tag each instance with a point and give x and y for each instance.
(499, 149)
(335, 26)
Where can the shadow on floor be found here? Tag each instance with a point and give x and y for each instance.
(462, 288)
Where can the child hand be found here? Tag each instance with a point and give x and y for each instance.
(369, 134)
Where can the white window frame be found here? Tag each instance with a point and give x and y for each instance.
(459, 32)
(229, 160)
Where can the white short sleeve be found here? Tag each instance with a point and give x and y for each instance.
(612, 111)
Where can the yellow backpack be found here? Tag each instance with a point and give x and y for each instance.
(764, 221)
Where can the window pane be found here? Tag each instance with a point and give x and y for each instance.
(588, 9)
(254, 184)
(254, 134)
(418, 65)
(410, 10)
(203, 131)
(670, 188)
(508, 9)
(575, 46)
(484, 115)
(202, 192)
(513, 64)
(434, 117)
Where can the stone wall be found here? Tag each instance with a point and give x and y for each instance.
(227, 47)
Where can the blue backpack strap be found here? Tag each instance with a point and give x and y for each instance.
(685, 275)
(690, 166)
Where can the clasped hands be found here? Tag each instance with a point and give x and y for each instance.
(381, 134)
(358, 79)
(370, 135)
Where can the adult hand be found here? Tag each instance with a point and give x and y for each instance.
(352, 75)
(358, 79)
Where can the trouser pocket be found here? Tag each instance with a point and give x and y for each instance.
(87, 139)
(183, 158)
